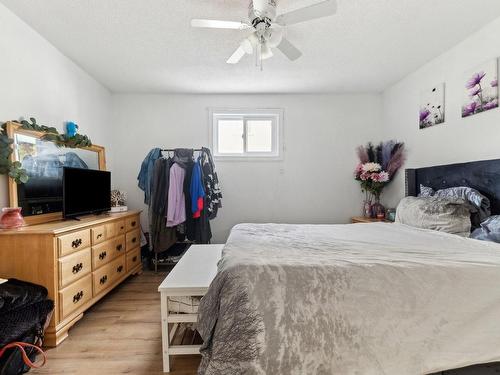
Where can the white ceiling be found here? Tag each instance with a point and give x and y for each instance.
(147, 46)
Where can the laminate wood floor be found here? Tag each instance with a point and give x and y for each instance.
(121, 334)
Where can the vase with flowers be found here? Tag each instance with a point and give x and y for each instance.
(377, 167)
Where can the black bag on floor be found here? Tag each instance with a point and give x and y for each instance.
(25, 311)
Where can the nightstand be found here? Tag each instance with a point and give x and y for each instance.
(363, 219)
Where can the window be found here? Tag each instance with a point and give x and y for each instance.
(247, 133)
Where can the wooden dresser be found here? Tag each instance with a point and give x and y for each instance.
(79, 262)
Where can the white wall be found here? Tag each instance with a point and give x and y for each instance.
(36, 80)
(458, 140)
(313, 184)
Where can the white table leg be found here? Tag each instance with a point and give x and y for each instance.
(165, 337)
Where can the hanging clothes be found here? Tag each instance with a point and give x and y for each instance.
(161, 236)
(213, 192)
(196, 190)
(176, 210)
(146, 173)
(190, 221)
(183, 157)
(197, 229)
(183, 196)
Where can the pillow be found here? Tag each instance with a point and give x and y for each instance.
(480, 204)
(489, 230)
(426, 191)
(491, 224)
(483, 235)
(450, 215)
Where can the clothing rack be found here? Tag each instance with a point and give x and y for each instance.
(169, 261)
(198, 230)
(174, 149)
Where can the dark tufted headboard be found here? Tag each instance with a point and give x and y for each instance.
(480, 175)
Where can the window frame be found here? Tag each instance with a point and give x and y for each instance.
(276, 115)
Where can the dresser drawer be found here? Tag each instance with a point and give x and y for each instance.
(110, 230)
(107, 251)
(131, 223)
(74, 266)
(108, 274)
(102, 253)
(69, 243)
(98, 234)
(119, 245)
(120, 227)
(133, 239)
(75, 295)
(133, 259)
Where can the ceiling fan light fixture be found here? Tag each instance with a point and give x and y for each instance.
(247, 46)
(265, 52)
(268, 29)
(275, 37)
(254, 39)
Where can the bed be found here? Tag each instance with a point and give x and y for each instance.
(356, 299)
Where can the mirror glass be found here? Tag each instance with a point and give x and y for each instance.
(44, 163)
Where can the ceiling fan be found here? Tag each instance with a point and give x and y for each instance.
(268, 28)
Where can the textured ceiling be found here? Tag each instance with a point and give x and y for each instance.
(148, 45)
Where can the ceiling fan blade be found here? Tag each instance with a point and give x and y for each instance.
(289, 50)
(236, 56)
(324, 8)
(216, 24)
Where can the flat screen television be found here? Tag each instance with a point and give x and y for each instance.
(85, 191)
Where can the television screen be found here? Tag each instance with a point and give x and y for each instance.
(43, 162)
(85, 191)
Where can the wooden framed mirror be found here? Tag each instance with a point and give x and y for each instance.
(41, 197)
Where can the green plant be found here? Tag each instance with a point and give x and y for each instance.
(52, 135)
(14, 169)
(62, 140)
(26, 125)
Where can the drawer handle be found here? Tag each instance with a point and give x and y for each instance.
(122, 227)
(77, 268)
(78, 296)
(102, 255)
(134, 239)
(134, 259)
(99, 235)
(119, 269)
(76, 243)
(132, 223)
(103, 279)
(119, 247)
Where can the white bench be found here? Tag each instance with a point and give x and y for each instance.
(190, 277)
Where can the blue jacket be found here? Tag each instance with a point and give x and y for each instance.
(196, 188)
(146, 173)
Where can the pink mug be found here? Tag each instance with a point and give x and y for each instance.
(11, 218)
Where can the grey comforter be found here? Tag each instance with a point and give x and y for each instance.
(350, 299)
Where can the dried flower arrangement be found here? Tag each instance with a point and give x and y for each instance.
(378, 166)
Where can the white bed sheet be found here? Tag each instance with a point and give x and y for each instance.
(350, 299)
